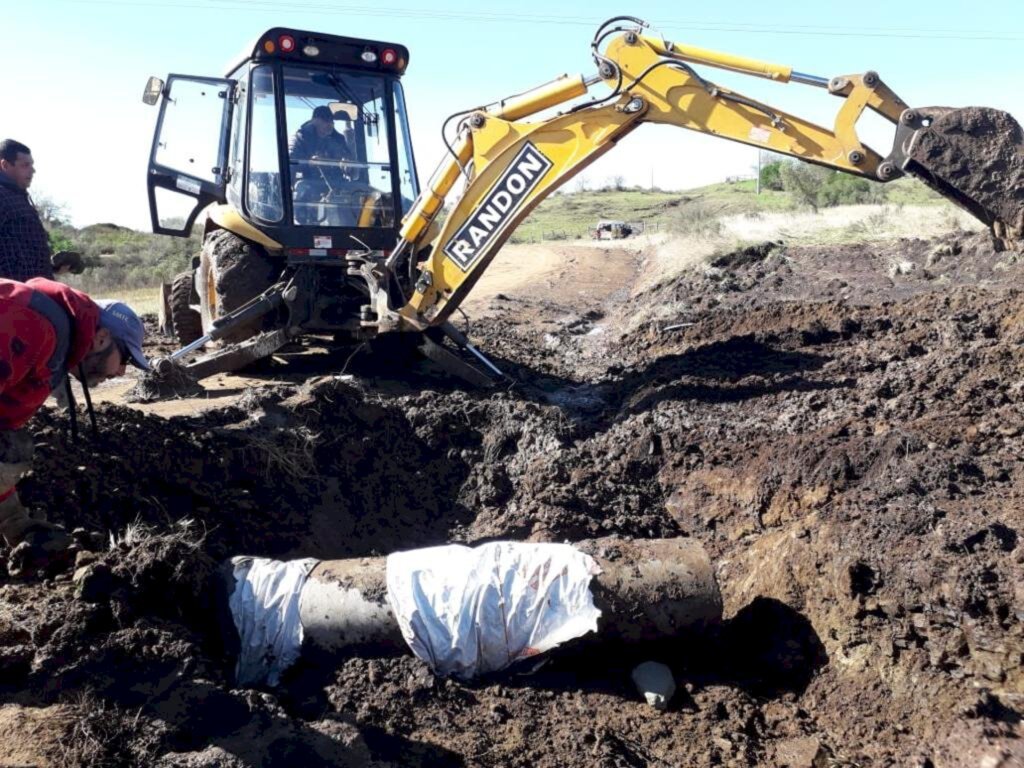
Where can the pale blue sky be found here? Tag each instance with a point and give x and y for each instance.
(74, 70)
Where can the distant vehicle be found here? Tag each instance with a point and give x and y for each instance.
(609, 229)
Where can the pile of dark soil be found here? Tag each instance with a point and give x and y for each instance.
(844, 437)
(977, 155)
(171, 381)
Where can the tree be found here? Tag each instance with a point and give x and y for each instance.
(844, 189)
(59, 241)
(804, 182)
(821, 187)
(50, 211)
(771, 175)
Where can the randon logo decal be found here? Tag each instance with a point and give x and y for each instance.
(493, 215)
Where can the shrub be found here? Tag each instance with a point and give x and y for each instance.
(804, 182)
(697, 218)
(820, 187)
(844, 189)
(59, 241)
(771, 176)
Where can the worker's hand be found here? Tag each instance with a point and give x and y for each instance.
(44, 548)
(67, 261)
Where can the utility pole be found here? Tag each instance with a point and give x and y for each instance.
(759, 172)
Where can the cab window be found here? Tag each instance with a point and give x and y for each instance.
(236, 158)
(340, 165)
(263, 192)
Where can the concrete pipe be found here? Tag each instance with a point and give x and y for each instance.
(647, 589)
(644, 590)
(344, 607)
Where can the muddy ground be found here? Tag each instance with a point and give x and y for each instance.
(843, 429)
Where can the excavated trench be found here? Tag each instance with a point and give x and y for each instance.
(840, 427)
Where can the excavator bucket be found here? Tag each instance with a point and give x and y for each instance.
(973, 156)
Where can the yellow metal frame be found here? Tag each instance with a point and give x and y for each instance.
(571, 142)
(678, 98)
(227, 217)
(658, 86)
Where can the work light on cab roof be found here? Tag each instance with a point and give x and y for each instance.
(297, 45)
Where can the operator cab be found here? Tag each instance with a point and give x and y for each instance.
(307, 138)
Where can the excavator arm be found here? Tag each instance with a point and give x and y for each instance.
(510, 164)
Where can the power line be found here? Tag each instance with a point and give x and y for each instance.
(799, 30)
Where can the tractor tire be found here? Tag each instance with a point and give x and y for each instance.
(232, 271)
(186, 322)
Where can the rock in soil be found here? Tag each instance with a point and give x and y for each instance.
(655, 683)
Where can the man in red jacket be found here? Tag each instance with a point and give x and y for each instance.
(47, 331)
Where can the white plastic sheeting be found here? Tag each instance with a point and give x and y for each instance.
(265, 609)
(468, 611)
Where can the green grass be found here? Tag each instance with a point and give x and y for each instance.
(566, 217)
(143, 300)
(118, 256)
(570, 216)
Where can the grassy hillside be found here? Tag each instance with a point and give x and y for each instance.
(121, 259)
(570, 216)
(118, 257)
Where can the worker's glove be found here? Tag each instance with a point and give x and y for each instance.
(67, 261)
(44, 548)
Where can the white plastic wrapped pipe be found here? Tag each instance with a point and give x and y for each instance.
(466, 611)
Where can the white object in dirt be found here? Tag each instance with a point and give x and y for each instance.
(655, 683)
(469, 611)
(898, 268)
(265, 609)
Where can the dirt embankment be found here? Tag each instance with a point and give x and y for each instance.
(840, 427)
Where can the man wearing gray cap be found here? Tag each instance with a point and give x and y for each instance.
(47, 331)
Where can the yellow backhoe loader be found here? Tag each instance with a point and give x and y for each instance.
(318, 224)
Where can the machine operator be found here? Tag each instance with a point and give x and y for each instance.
(317, 140)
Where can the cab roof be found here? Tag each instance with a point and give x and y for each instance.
(295, 45)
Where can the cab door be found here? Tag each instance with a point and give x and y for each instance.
(188, 162)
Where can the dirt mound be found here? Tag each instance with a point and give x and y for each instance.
(173, 381)
(844, 438)
(978, 154)
(321, 470)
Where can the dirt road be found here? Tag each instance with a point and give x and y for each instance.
(841, 427)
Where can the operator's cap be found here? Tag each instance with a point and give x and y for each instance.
(126, 327)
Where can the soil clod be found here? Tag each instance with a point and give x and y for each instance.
(172, 380)
(978, 154)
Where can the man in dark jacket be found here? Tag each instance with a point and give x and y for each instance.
(47, 331)
(315, 141)
(24, 245)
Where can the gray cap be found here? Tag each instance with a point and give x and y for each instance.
(126, 328)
